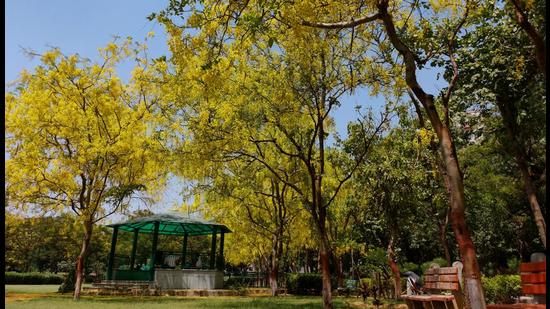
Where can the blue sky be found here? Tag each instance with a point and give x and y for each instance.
(83, 26)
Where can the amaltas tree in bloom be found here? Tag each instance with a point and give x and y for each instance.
(80, 139)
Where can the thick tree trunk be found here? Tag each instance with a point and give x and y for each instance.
(276, 254)
(472, 282)
(516, 149)
(325, 272)
(88, 227)
(394, 269)
(273, 275)
(442, 225)
(473, 289)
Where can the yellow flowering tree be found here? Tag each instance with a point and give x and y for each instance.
(80, 139)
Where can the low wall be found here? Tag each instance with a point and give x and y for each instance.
(188, 279)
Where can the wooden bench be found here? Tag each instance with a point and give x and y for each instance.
(533, 282)
(437, 280)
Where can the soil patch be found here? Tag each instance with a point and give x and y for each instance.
(12, 297)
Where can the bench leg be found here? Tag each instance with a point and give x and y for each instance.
(455, 304)
(413, 304)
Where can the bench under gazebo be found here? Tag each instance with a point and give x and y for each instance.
(169, 270)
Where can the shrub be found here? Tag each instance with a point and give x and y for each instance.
(32, 278)
(304, 284)
(408, 266)
(439, 261)
(501, 289)
(367, 284)
(69, 283)
(64, 266)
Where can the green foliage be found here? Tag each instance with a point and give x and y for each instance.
(374, 260)
(439, 261)
(367, 285)
(69, 283)
(501, 289)
(304, 284)
(57, 246)
(408, 266)
(32, 278)
(238, 283)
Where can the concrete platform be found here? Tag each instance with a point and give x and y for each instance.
(196, 279)
(150, 289)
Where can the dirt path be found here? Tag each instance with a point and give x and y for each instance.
(11, 297)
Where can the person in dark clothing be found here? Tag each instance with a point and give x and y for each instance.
(414, 283)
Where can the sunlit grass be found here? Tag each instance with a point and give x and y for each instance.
(45, 296)
(32, 288)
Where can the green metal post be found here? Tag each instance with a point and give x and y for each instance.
(184, 250)
(220, 255)
(112, 254)
(154, 255)
(213, 251)
(134, 248)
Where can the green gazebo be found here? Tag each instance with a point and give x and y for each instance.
(183, 276)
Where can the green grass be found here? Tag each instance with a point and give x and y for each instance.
(32, 288)
(21, 297)
(173, 302)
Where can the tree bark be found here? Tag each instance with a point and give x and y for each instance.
(325, 271)
(394, 269)
(273, 275)
(516, 148)
(88, 228)
(525, 24)
(442, 224)
(339, 270)
(473, 289)
(443, 240)
(276, 253)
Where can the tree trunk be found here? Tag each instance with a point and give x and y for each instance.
(516, 148)
(532, 198)
(472, 282)
(473, 289)
(276, 253)
(325, 271)
(540, 46)
(340, 271)
(394, 269)
(273, 275)
(443, 238)
(88, 227)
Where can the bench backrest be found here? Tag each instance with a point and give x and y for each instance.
(442, 278)
(533, 278)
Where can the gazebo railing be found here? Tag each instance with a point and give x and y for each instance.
(170, 259)
(122, 269)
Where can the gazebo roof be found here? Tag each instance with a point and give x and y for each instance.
(172, 224)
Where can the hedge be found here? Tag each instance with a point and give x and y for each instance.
(501, 289)
(32, 278)
(306, 284)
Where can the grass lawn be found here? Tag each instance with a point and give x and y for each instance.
(32, 289)
(44, 296)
